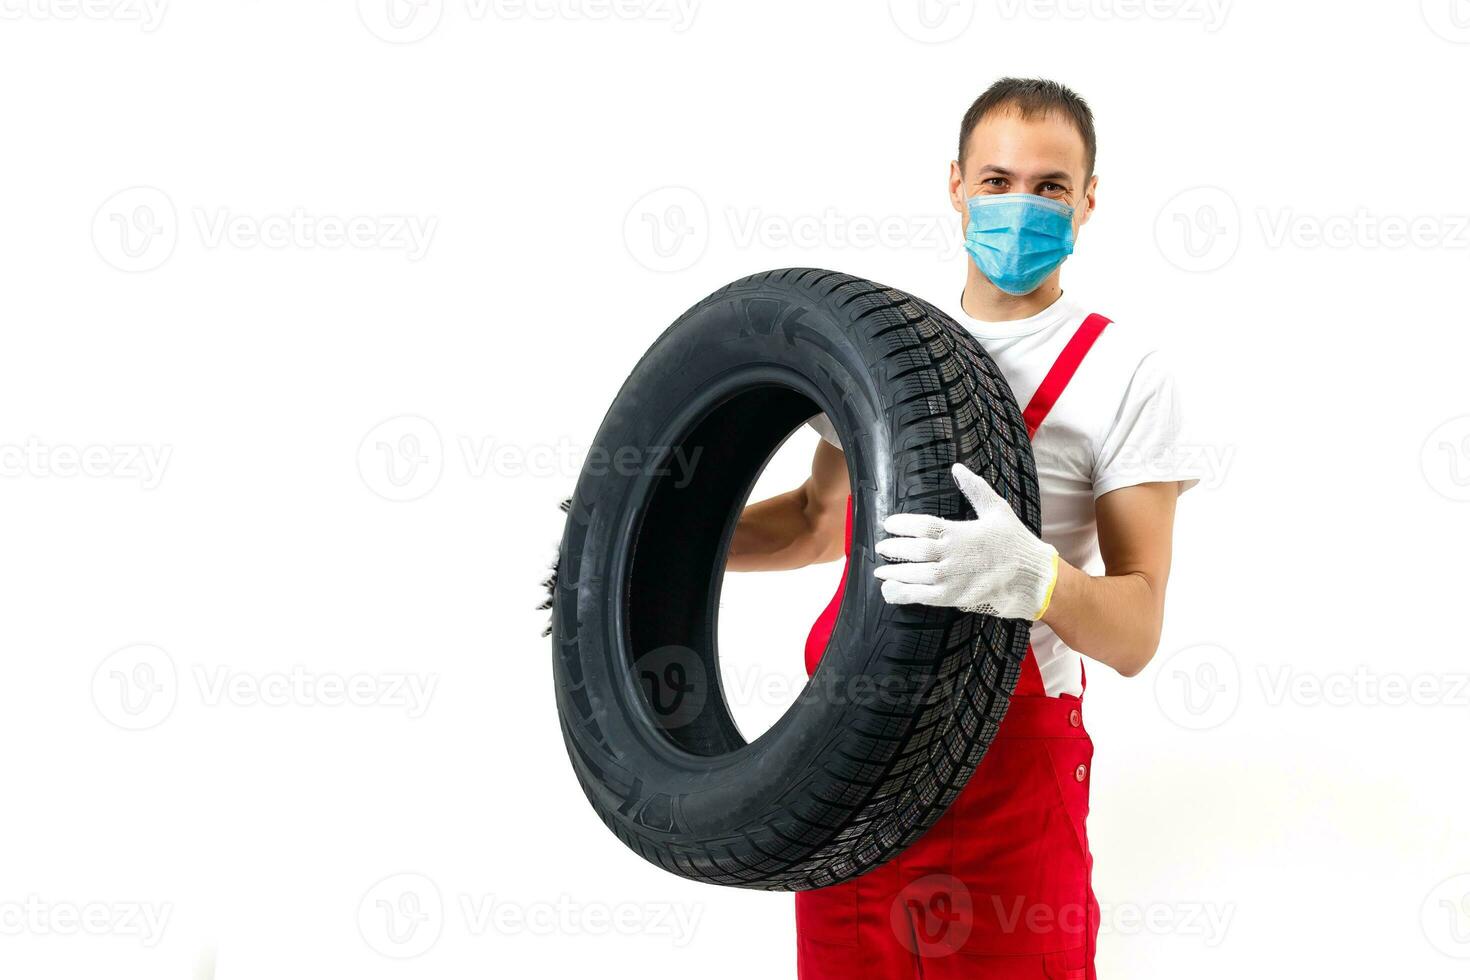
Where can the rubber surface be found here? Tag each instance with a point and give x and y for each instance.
(906, 699)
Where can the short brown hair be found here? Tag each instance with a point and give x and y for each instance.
(1032, 97)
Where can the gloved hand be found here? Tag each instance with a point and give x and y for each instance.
(992, 565)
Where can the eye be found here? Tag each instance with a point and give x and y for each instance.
(993, 182)
(1051, 188)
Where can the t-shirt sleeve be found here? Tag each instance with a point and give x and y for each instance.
(1147, 441)
(825, 429)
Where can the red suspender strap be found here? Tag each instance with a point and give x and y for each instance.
(1046, 396)
(1061, 372)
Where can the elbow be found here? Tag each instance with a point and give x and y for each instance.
(825, 547)
(1133, 667)
(1134, 660)
(814, 549)
(825, 538)
(1140, 648)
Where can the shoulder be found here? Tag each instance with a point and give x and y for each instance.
(1127, 378)
(1125, 346)
(1124, 357)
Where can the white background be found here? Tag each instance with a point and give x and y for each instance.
(358, 448)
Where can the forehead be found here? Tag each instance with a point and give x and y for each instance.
(1039, 144)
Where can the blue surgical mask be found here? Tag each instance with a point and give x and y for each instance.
(1018, 240)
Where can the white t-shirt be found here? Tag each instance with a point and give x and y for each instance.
(1117, 424)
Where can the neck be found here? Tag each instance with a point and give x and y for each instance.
(984, 302)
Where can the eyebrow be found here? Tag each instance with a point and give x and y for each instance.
(991, 168)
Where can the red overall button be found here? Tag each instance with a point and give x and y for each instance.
(1081, 773)
(1075, 718)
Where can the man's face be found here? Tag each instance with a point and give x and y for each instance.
(1007, 154)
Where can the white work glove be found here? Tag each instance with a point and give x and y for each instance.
(992, 565)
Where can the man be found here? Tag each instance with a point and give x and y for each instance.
(1001, 885)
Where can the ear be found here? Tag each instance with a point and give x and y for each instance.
(1089, 198)
(956, 187)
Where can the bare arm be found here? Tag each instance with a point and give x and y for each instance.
(800, 527)
(1117, 617)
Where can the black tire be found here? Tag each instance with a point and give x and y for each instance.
(906, 699)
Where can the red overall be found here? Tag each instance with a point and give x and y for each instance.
(1001, 886)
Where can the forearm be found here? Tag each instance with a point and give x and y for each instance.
(996, 564)
(788, 531)
(1115, 619)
